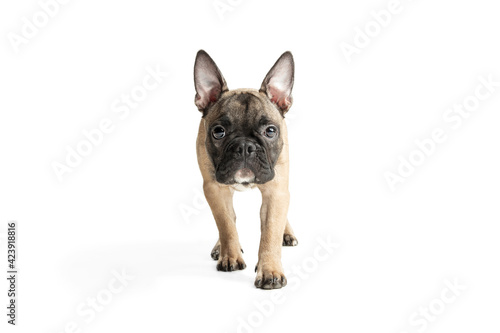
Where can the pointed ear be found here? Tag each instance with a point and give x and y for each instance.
(278, 83)
(208, 81)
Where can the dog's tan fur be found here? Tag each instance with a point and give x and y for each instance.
(275, 229)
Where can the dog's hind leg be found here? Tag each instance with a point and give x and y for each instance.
(289, 238)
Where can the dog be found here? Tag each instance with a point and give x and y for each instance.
(242, 143)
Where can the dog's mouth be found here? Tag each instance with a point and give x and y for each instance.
(244, 176)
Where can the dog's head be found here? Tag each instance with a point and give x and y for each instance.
(243, 126)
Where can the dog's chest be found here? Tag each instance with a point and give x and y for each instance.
(242, 188)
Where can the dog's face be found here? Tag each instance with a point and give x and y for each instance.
(243, 138)
(243, 127)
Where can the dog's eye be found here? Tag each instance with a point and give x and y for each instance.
(271, 132)
(219, 132)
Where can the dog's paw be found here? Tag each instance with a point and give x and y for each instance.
(270, 279)
(216, 252)
(290, 240)
(229, 264)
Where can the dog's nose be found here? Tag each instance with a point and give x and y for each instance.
(246, 148)
(250, 148)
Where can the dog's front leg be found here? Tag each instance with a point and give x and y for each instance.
(220, 199)
(273, 215)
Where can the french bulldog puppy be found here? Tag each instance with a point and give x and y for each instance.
(242, 143)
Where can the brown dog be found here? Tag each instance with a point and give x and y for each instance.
(242, 143)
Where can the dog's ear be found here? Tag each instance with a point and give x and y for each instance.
(208, 81)
(278, 83)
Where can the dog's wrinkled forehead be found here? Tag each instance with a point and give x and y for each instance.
(243, 109)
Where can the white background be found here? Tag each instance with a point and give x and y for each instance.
(124, 207)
